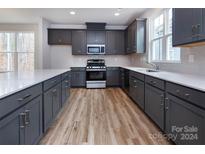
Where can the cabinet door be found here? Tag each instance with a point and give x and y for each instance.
(110, 47)
(78, 78)
(65, 90)
(12, 128)
(154, 105)
(115, 42)
(33, 129)
(48, 108)
(139, 93)
(185, 121)
(113, 77)
(56, 99)
(141, 36)
(182, 22)
(201, 27)
(79, 44)
(95, 37)
(59, 37)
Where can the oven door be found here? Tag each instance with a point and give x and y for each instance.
(95, 75)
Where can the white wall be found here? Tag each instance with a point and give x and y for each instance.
(61, 57)
(196, 67)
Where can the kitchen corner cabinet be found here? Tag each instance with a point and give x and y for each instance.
(113, 77)
(188, 26)
(136, 37)
(23, 126)
(95, 37)
(79, 44)
(115, 42)
(59, 37)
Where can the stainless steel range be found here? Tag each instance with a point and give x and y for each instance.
(95, 73)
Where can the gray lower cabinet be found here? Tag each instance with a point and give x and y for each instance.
(52, 104)
(78, 77)
(113, 77)
(154, 104)
(137, 91)
(184, 121)
(65, 89)
(23, 126)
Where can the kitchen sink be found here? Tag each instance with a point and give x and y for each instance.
(151, 70)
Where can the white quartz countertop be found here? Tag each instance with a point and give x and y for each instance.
(188, 80)
(12, 82)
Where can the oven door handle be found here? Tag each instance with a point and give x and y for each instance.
(94, 70)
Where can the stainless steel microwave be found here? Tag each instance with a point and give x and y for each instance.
(95, 49)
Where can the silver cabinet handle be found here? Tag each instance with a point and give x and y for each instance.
(23, 98)
(167, 106)
(22, 119)
(187, 95)
(27, 117)
(54, 91)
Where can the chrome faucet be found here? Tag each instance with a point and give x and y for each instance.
(154, 65)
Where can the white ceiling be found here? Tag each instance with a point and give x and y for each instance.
(62, 16)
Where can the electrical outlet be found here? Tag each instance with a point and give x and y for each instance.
(191, 58)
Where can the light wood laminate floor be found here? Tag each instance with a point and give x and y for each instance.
(102, 116)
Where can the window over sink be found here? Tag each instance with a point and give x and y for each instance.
(161, 49)
(17, 51)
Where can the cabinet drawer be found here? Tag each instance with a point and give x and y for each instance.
(65, 75)
(155, 82)
(137, 75)
(191, 95)
(112, 68)
(12, 102)
(51, 82)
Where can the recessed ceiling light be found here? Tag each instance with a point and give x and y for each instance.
(117, 14)
(72, 12)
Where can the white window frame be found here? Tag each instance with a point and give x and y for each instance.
(17, 53)
(164, 38)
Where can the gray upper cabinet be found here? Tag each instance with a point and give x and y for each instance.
(136, 37)
(59, 36)
(79, 44)
(115, 42)
(185, 121)
(154, 104)
(95, 37)
(188, 26)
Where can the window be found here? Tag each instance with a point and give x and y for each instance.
(16, 51)
(161, 49)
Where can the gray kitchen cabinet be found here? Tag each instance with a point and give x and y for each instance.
(154, 104)
(136, 37)
(184, 121)
(136, 91)
(95, 37)
(65, 88)
(115, 42)
(78, 77)
(79, 44)
(12, 128)
(33, 121)
(113, 76)
(23, 126)
(188, 26)
(52, 104)
(59, 36)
